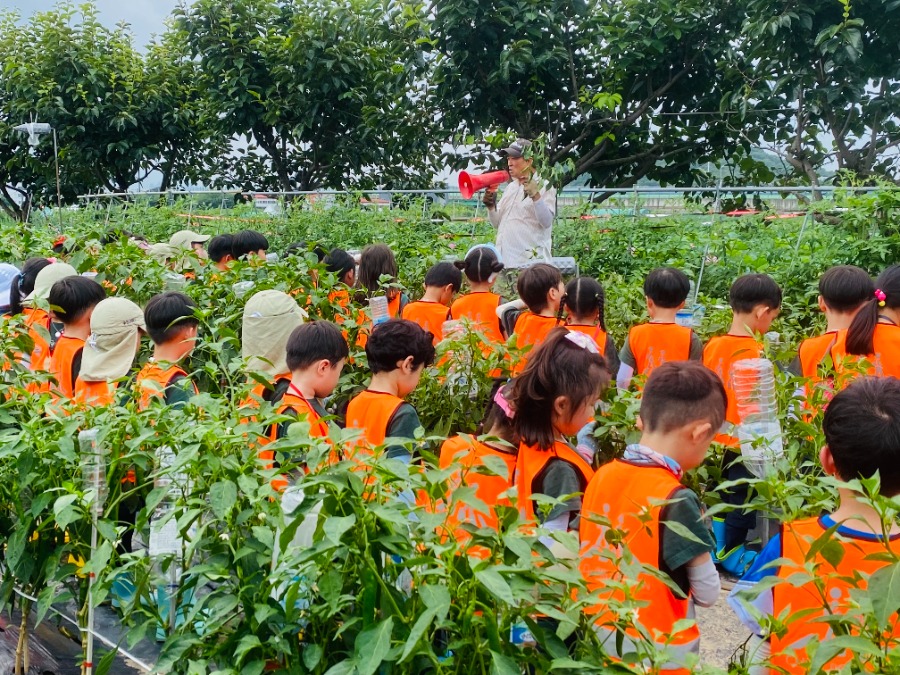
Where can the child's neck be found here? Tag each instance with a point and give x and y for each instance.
(838, 320)
(858, 514)
(480, 286)
(664, 444)
(663, 315)
(548, 311)
(304, 382)
(582, 320)
(386, 383)
(432, 294)
(78, 329)
(169, 352)
(742, 325)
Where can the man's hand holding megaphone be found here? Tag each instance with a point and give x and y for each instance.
(490, 197)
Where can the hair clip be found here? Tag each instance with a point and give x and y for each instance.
(880, 296)
(583, 341)
(503, 404)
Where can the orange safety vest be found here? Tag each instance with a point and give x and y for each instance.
(481, 309)
(429, 315)
(465, 454)
(653, 344)
(883, 362)
(341, 298)
(94, 393)
(531, 330)
(629, 497)
(595, 332)
(531, 463)
(152, 381)
(37, 321)
(371, 411)
(64, 353)
(859, 561)
(811, 354)
(719, 355)
(292, 400)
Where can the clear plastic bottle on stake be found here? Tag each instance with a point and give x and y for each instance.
(378, 309)
(93, 468)
(759, 431)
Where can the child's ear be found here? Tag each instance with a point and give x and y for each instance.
(323, 367)
(639, 423)
(406, 365)
(827, 460)
(702, 431)
(822, 306)
(562, 407)
(681, 306)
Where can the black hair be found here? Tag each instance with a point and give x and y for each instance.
(23, 283)
(862, 431)
(678, 393)
(752, 290)
(444, 274)
(375, 261)
(220, 246)
(339, 262)
(396, 340)
(845, 288)
(667, 287)
(558, 367)
(315, 341)
(248, 241)
(301, 247)
(167, 314)
(583, 296)
(535, 282)
(861, 334)
(480, 264)
(71, 298)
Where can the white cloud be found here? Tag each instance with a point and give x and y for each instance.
(146, 17)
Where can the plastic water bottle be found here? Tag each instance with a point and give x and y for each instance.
(378, 309)
(271, 257)
(93, 468)
(759, 431)
(241, 288)
(685, 317)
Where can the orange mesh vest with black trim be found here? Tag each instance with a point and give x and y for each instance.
(371, 411)
(654, 344)
(64, 353)
(94, 393)
(788, 651)
(812, 352)
(595, 332)
(152, 381)
(630, 497)
(884, 361)
(429, 315)
(719, 356)
(531, 463)
(317, 429)
(467, 453)
(531, 330)
(481, 309)
(365, 322)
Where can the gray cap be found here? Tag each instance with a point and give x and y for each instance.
(516, 149)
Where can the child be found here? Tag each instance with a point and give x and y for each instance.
(9, 276)
(108, 356)
(755, 302)
(72, 301)
(541, 288)
(249, 244)
(442, 282)
(553, 398)
(343, 266)
(38, 316)
(682, 408)
(188, 240)
(584, 301)
(268, 321)
(843, 290)
(652, 344)
(862, 435)
(376, 261)
(219, 251)
(172, 327)
(466, 454)
(479, 305)
(398, 351)
(37, 320)
(874, 333)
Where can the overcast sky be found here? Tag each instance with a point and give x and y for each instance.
(146, 17)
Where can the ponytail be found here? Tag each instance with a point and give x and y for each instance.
(584, 295)
(861, 334)
(481, 264)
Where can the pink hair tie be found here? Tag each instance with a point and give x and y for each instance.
(503, 404)
(880, 296)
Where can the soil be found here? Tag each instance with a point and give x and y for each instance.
(721, 633)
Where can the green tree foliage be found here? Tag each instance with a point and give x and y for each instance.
(615, 86)
(831, 70)
(329, 93)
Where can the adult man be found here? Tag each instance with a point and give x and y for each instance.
(524, 214)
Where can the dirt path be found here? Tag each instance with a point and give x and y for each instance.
(721, 632)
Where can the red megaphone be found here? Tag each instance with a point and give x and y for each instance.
(470, 183)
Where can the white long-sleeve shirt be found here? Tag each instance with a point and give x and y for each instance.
(524, 226)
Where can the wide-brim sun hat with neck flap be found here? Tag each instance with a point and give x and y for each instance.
(110, 350)
(47, 277)
(269, 319)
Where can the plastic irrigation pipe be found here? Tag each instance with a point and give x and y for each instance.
(106, 641)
